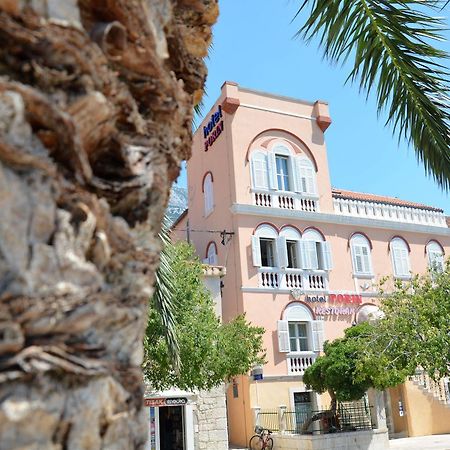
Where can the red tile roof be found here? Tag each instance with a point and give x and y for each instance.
(361, 196)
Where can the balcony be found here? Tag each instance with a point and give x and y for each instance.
(288, 279)
(299, 362)
(285, 200)
(380, 211)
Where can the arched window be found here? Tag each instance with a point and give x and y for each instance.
(281, 169)
(208, 193)
(289, 248)
(400, 258)
(315, 252)
(361, 257)
(435, 256)
(264, 242)
(211, 254)
(298, 331)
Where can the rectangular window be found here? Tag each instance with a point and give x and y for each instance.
(292, 255)
(298, 337)
(267, 247)
(282, 173)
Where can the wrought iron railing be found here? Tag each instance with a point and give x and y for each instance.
(348, 417)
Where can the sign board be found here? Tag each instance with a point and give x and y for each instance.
(159, 402)
(257, 373)
(213, 129)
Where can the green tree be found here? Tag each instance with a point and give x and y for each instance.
(209, 352)
(415, 329)
(389, 42)
(340, 372)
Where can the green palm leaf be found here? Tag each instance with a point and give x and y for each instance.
(164, 296)
(390, 41)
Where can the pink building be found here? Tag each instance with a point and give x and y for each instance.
(302, 258)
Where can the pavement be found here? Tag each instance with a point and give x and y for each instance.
(435, 442)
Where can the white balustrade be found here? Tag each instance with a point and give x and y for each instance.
(285, 200)
(275, 278)
(357, 208)
(298, 363)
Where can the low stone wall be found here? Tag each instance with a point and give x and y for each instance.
(210, 420)
(355, 440)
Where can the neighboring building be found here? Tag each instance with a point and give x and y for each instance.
(302, 258)
(182, 420)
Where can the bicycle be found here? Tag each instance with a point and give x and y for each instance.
(261, 440)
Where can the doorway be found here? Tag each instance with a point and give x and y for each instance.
(171, 428)
(302, 408)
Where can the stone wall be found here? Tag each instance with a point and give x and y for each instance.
(356, 440)
(210, 420)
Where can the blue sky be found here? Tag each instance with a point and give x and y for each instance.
(254, 46)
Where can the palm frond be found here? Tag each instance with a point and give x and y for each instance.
(164, 296)
(390, 41)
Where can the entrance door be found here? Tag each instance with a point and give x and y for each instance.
(171, 428)
(302, 407)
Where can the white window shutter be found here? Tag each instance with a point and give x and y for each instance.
(208, 194)
(282, 252)
(256, 251)
(283, 336)
(259, 171)
(272, 170)
(397, 261)
(357, 259)
(295, 179)
(306, 177)
(326, 255)
(308, 255)
(318, 331)
(211, 195)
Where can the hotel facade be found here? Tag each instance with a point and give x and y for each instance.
(303, 259)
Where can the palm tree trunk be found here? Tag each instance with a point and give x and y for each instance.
(96, 101)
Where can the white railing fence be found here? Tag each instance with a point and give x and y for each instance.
(275, 278)
(285, 200)
(384, 211)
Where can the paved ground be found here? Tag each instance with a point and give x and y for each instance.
(436, 442)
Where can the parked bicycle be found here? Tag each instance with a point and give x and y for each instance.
(261, 440)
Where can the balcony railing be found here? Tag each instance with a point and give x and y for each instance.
(275, 278)
(299, 362)
(285, 200)
(382, 211)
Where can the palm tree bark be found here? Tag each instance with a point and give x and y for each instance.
(96, 101)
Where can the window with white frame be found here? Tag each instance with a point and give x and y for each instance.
(208, 193)
(400, 258)
(435, 256)
(361, 255)
(281, 169)
(211, 254)
(282, 164)
(267, 249)
(264, 246)
(315, 252)
(289, 248)
(298, 331)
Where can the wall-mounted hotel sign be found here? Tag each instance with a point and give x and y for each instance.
(213, 129)
(335, 298)
(334, 310)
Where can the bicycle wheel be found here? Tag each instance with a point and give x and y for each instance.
(256, 443)
(269, 444)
